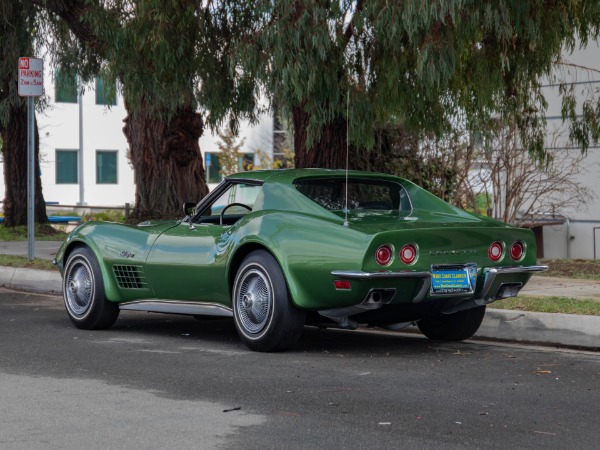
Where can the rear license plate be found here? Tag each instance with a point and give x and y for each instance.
(453, 279)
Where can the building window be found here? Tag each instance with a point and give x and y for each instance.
(246, 162)
(66, 87)
(213, 168)
(66, 167)
(106, 94)
(213, 165)
(106, 167)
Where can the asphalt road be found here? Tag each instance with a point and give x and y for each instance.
(158, 381)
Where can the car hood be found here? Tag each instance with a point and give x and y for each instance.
(156, 226)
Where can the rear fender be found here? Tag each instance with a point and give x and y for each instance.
(305, 257)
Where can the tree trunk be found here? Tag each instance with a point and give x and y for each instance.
(14, 150)
(167, 161)
(328, 152)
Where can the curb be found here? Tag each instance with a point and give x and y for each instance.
(537, 327)
(35, 280)
(501, 324)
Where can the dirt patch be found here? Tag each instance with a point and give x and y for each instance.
(44, 230)
(583, 269)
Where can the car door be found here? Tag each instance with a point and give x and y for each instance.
(189, 263)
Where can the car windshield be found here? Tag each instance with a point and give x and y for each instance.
(363, 194)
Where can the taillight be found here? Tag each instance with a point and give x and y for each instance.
(342, 284)
(517, 250)
(496, 250)
(408, 253)
(384, 254)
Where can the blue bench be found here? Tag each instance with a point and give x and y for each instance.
(63, 219)
(58, 219)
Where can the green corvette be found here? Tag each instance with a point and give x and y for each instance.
(277, 250)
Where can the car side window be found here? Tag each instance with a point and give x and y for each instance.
(236, 195)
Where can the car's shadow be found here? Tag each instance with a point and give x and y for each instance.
(221, 332)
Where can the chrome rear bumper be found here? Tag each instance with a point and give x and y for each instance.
(484, 296)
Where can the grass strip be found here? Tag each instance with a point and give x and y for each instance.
(43, 232)
(564, 305)
(20, 261)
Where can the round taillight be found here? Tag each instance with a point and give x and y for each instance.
(495, 251)
(517, 250)
(408, 253)
(384, 255)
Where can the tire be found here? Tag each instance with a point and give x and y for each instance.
(83, 292)
(265, 317)
(453, 327)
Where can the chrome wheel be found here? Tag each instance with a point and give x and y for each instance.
(254, 300)
(265, 317)
(83, 292)
(79, 287)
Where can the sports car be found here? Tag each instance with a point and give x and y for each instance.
(278, 250)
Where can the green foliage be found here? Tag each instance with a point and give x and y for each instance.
(109, 215)
(265, 161)
(402, 153)
(166, 54)
(483, 202)
(230, 154)
(416, 62)
(17, 31)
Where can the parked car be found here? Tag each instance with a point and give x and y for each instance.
(277, 250)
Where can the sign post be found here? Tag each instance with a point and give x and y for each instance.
(31, 84)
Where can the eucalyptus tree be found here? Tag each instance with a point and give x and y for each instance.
(170, 57)
(421, 64)
(17, 30)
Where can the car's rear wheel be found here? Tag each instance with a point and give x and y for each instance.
(265, 317)
(453, 327)
(83, 292)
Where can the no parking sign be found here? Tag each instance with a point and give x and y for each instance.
(31, 77)
(31, 84)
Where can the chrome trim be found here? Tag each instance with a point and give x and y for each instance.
(359, 275)
(425, 286)
(425, 278)
(491, 274)
(177, 307)
(369, 298)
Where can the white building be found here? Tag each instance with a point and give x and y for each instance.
(100, 174)
(576, 233)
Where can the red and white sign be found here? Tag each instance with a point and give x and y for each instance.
(31, 77)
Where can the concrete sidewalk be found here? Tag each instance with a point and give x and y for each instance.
(42, 249)
(556, 329)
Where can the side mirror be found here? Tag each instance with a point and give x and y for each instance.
(189, 209)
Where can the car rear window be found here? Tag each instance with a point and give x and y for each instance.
(363, 194)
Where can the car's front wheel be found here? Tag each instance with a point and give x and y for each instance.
(83, 292)
(265, 317)
(453, 327)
